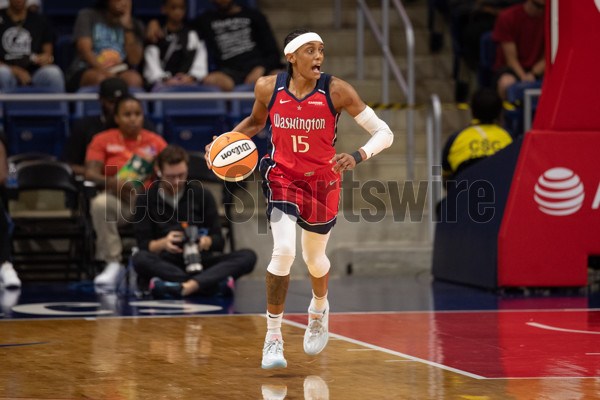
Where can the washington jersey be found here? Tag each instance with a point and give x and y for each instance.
(303, 131)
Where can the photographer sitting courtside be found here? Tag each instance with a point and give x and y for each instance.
(167, 217)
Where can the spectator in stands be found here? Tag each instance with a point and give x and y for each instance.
(119, 161)
(480, 18)
(519, 30)
(470, 19)
(8, 276)
(480, 140)
(109, 43)
(179, 57)
(26, 50)
(240, 43)
(84, 129)
(161, 260)
(32, 5)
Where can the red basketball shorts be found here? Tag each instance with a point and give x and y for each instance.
(313, 199)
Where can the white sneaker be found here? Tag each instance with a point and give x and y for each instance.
(8, 299)
(273, 353)
(317, 332)
(8, 276)
(109, 276)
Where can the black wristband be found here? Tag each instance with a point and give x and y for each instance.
(357, 156)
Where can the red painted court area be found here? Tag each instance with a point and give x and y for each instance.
(489, 344)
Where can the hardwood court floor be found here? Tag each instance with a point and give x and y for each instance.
(206, 358)
(459, 344)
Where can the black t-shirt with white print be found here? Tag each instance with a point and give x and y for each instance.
(239, 41)
(20, 39)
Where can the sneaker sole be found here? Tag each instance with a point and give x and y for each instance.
(279, 364)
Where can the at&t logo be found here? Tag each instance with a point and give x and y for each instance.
(559, 191)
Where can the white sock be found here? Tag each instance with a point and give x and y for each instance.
(273, 325)
(318, 304)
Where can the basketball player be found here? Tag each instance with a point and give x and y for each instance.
(302, 176)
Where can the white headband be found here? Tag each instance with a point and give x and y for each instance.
(298, 41)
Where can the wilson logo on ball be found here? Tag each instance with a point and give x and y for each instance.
(244, 148)
(559, 191)
(233, 156)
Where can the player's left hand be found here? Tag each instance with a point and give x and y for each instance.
(206, 150)
(343, 162)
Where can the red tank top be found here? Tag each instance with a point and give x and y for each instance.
(303, 132)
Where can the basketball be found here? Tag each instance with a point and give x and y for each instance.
(233, 156)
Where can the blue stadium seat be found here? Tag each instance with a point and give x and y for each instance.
(87, 107)
(64, 51)
(35, 126)
(240, 109)
(146, 9)
(62, 13)
(62, 8)
(487, 57)
(190, 123)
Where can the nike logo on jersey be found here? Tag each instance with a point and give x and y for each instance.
(283, 101)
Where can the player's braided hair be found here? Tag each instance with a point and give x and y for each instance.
(291, 36)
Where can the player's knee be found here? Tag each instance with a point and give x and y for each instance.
(318, 264)
(284, 248)
(281, 264)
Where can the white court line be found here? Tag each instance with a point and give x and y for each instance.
(524, 310)
(544, 377)
(361, 350)
(553, 328)
(396, 353)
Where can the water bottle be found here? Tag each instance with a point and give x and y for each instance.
(12, 180)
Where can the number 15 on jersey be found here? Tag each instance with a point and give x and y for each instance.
(299, 144)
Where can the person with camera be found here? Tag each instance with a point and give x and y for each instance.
(179, 236)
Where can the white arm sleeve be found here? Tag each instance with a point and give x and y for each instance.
(381, 135)
(199, 68)
(153, 72)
